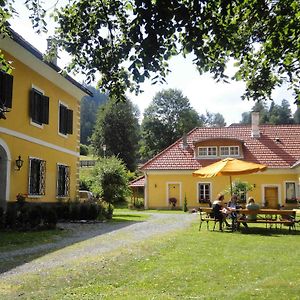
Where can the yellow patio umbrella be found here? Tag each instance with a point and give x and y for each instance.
(229, 166)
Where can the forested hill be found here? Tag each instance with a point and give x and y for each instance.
(89, 107)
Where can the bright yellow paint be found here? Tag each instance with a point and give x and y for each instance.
(18, 123)
(157, 182)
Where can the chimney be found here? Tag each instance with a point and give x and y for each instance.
(52, 50)
(255, 124)
(184, 141)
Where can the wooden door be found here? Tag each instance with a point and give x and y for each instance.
(174, 192)
(271, 197)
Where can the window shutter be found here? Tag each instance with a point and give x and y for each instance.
(69, 121)
(6, 89)
(45, 110)
(32, 104)
(62, 119)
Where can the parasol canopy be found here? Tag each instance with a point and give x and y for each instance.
(229, 166)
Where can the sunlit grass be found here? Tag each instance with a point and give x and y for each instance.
(188, 264)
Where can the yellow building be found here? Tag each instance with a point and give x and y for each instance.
(39, 127)
(169, 174)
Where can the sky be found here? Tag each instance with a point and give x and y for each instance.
(203, 92)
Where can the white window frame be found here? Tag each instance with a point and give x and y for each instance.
(207, 151)
(41, 126)
(29, 174)
(229, 151)
(285, 190)
(198, 190)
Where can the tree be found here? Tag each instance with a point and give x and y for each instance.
(297, 115)
(213, 119)
(110, 181)
(117, 127)
(166, 119)
(261, 36)
(88, 113)
(275, 114)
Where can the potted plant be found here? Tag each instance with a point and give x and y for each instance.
(172, 202)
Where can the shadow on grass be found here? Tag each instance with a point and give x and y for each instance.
(71, 233)
(269, 231)
(263, 231)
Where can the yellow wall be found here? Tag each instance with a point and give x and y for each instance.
(18, 121)
(156, 188)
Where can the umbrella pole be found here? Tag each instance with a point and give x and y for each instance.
(230, 186)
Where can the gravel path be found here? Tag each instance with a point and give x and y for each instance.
(86, 240)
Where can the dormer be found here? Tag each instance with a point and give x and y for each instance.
(218, 148)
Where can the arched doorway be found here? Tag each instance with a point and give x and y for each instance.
(4, 173)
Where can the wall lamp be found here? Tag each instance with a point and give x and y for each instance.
(19, 163)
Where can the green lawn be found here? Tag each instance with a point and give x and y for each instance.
(188, 264)
(13, 240)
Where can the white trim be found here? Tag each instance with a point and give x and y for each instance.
(263, 186)
(167, 192)
(197, 188)
(37, 141)
(284, 188)
(230, 154)
(8, 163)
(207, 156)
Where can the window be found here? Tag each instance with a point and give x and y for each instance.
(63, 180)
(204, 193)
(65, 120)
(39, 107)
(207, 151)
(229, 151)
(6, 88)
(290, 188)
(37, 176)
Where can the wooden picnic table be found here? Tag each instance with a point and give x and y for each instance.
(265, 215)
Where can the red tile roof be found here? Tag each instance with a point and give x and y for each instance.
(140, 181)
(277, 147)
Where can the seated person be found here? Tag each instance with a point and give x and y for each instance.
(252, 206)
(232, 206)
(217, 208)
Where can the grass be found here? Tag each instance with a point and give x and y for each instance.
(184, 265)
(13, 240)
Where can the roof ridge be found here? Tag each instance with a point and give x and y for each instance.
(166, 149)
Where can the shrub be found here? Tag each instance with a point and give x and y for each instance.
(63, 210)
(2, 219)
(74, 211)
(49, 218)
(93, 211)
(138, 203)
(84, 149)
(11, 217)
(110, 180)
(185, 207)
(32, 216)
(84, 211)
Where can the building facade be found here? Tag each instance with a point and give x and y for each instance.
(39, 127)
(169, 174)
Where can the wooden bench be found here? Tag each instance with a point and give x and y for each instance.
(269, 217)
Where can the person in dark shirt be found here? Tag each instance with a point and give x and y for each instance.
(217, 208)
